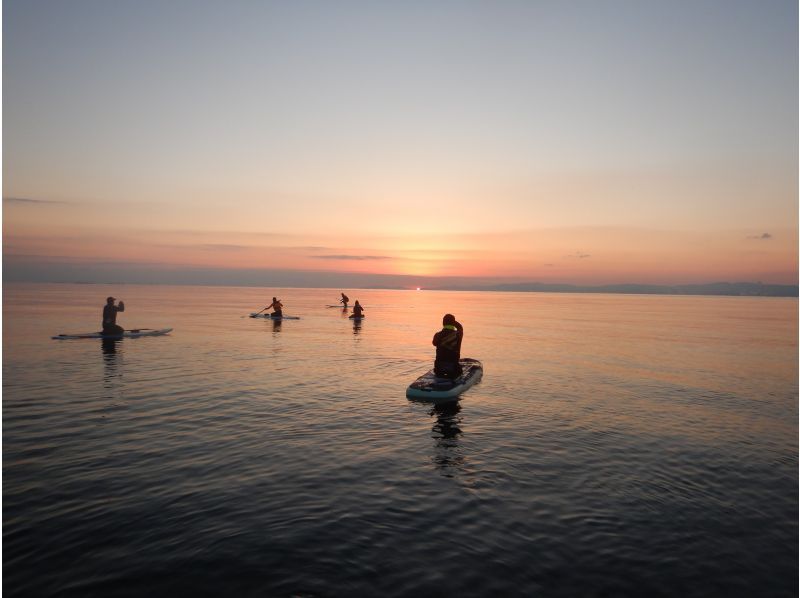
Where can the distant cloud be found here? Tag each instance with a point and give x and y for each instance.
(205, 246)
(351, 257)
(763, 236)
(25, 200)
(578, 255)
(223, 246)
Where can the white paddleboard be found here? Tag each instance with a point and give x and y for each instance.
(135, 333)
(432, 388)
(270, 317)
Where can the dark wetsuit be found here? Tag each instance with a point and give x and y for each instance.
(448, 351)
(357, 311)
(110, 318)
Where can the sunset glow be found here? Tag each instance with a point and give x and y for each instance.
(475, 154)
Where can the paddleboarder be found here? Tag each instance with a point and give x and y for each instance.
(277, 306)
(110, 316)
(358, 311)
(344, 300)
(448, 348)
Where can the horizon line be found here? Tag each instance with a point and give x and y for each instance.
(718, 288)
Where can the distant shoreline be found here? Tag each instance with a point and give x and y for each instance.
(717, 289)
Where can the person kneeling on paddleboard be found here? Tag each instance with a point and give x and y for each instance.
(277, 306)
(448, 348)
(358, 311)
(110, 317)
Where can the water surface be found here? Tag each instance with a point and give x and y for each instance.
(616, 446)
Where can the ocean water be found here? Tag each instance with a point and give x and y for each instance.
(616, 446)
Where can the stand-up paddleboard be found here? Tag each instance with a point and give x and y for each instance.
(359, 318)
(340, 305)
(271, 317)
(135, 333)
(432, 388)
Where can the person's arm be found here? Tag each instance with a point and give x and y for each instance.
(121, 306)
(435, 341)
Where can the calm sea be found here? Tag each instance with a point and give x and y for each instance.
(617, 446)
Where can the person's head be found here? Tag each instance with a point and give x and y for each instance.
(274, 299)
(109, 300)
(448, 320)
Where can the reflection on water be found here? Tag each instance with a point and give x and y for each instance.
(109, 347)
(356, 326)
(276, 325)
(447, 455)
(112, 367)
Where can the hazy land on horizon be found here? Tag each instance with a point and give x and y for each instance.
(338, 280)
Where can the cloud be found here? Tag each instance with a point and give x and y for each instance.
(222, 246)
(25, 200)
(763, 236)
(351, 257)
(206, 246)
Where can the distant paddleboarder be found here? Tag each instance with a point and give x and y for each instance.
(277, 306)
(358, 311)
(448, 348)
(110, 317)
(344, 300)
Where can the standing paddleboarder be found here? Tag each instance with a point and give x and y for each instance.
(344, 300)
(110, 317)
(448, 348)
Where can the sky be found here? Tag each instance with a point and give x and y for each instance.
(582, 142)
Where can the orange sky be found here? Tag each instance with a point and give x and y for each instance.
(655, 142)
(589, 255)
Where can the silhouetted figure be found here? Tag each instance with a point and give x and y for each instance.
(110, 317)
(448, 348)
(358, 311)
(344, 300)
(277, 306)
